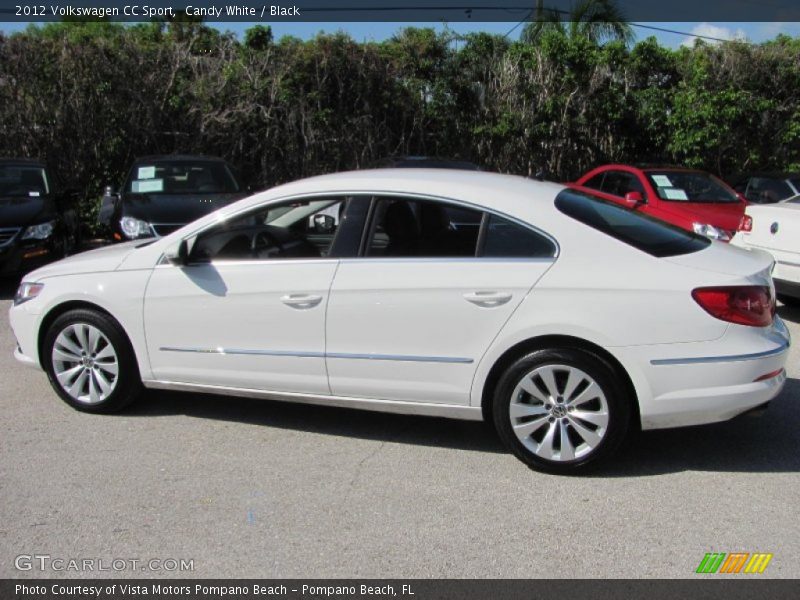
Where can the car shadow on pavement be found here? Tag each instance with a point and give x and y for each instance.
(747, 444)
(344, 422)
(8, 287)
(765, 444)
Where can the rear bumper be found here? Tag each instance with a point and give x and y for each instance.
(695, 384)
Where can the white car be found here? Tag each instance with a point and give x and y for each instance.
(564, 319)
(776, 229)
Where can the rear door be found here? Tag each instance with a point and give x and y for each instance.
(411, 317)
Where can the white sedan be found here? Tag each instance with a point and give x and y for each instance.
(776, 229)
(564, 319)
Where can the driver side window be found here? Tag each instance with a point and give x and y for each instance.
(292, 230)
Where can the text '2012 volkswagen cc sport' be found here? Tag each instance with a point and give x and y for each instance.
(565, 319)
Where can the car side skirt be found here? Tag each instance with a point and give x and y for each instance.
(451, 411)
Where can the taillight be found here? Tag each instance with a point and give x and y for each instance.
(746, 224)
(751, 305)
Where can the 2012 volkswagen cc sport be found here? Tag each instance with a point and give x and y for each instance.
(564, 319)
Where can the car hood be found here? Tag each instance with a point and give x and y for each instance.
(19, 211)
(720, 257)
(107, 258)
(177, 209)
(726, 215)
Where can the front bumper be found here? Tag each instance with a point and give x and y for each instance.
(709, 382)
(21, 257)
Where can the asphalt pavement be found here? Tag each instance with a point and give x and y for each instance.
(250, 488)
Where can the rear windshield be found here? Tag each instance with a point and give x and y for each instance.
(182, 177)
(640, 231)
(690, 186)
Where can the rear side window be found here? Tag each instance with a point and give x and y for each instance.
(507, 239)
(640, 231)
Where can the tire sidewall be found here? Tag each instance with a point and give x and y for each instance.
(128, 382)
(619, 406)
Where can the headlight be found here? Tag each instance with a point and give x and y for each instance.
(135, 228)
(27, 291)
(42, 231)
(715, 233)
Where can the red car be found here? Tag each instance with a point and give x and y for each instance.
(693, 200)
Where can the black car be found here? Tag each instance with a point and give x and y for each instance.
(767, 188)
(163, 193)
(38, 221)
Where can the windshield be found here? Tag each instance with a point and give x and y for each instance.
(22, 180)
(690, 186)
(182, 177)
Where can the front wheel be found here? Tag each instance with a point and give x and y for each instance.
(90, 362)
(560, 410)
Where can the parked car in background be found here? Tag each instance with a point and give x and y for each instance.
(767, 188)
(694, 200)
(529, 318)
(38, 220)
(776, 229)
(424, 162)
(164, 193)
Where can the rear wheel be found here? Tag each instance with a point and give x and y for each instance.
(561, 410)
(90, 362)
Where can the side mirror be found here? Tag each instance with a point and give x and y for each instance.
(634, 199)
(178, 254)
(324, 223)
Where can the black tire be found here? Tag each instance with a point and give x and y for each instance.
(618, 403)
(128, 384)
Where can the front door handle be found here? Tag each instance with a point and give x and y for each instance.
(301, 300)
(487, 299)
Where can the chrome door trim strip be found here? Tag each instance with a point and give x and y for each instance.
(453, 411)
(721, 359)
(300, 354)
(787, 263)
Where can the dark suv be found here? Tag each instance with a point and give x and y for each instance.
(163, 193)
(38, 221)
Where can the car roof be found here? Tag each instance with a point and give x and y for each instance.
(178, 158)
(22, 161)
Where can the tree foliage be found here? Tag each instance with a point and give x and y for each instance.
(90, 97)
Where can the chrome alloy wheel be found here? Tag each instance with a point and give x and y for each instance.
(85, 363)
(559, 412)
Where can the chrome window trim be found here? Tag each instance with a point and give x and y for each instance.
(305, 354)
(721, 359)
(378, 192)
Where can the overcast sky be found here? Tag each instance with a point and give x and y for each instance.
(755, 32)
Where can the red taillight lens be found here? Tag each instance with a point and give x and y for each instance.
(751, 305)
(746, 224)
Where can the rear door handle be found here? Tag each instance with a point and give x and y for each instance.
(301, 300)
(487, 299)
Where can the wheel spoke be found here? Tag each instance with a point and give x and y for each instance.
(108, 367)
(591, 438)
(590, 393)
(526, 429)
(67, 344)
(598, 418)
(546, 449)
(574, 379)
(94, 339)
(82, 337)
(526, 410)
(567, 451)
(529, 386)
(64, 355)
(94, 397)
(106, 352)
(105, 385)
(76, 389)
(548, 377)
(67, 377)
